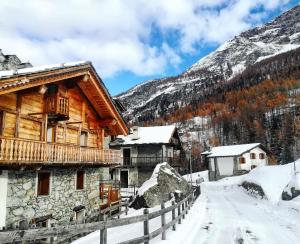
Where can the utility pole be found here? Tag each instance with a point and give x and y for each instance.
(190, 159)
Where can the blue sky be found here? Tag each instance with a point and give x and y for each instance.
(128, 41)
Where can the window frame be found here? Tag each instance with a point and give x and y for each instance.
(252, 155)
(85, 139)
(262, 156)
(83, 180)
(38, 191)
(242, 160)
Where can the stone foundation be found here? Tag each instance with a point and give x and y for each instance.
(24, 204)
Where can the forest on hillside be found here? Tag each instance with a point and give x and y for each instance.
(262, 104)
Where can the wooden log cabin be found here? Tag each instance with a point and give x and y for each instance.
(53, 121)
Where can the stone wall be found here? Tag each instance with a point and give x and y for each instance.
(23, 202)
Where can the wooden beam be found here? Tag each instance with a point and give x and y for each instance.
(2, 128)
(45, 119)
(71, 123)
(107, 122)
(19, 104)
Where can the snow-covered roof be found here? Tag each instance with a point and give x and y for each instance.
(232, 150)
(36, 69)
(148, 135)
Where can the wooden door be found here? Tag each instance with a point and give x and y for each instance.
(124, 178)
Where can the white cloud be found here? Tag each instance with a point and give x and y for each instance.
(116, 34)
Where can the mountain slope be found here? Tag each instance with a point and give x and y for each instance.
(155, 98)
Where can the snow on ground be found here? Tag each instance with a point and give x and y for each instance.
(197, 177)
(225, 213)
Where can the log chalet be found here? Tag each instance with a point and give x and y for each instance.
(53, 121)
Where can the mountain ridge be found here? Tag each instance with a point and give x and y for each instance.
(152, 99)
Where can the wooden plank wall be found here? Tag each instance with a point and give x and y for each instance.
(31, 127)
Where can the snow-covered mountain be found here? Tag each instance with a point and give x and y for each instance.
(155, 98)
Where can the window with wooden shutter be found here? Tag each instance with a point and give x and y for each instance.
(242, 160)
(252, 155)
(43, 184)
(80, 180)
(261, 156)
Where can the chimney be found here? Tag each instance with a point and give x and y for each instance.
(135, 133)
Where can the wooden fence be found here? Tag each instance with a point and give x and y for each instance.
(69, 231)
(182, 208)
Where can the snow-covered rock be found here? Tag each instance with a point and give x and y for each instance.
(292, 190)
(164, 182)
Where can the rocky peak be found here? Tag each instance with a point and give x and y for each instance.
(8, 62)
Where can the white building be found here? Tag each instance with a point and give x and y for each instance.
(234, 159)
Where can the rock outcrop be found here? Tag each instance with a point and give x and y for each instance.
(164, 184)
(292, 189)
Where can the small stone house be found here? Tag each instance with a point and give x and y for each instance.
(143, 149)
(53, 121)
(231, 160)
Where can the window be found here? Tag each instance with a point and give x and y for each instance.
(242, 160)
(50, 134)
(43, 184)
(80, 180)
(261, 156)
(252, 155)
(83, 138)
(253, 166)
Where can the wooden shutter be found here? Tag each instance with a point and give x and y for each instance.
(80, 180)
(43, 183)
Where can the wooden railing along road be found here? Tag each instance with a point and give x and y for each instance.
(177, 211)
(22, 150)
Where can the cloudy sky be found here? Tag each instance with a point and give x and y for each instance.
(128, 41)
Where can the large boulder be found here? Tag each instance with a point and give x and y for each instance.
(292, 190)
(164, 184)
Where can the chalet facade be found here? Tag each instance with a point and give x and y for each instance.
(53, 121)
(143, 149)
(231, 160)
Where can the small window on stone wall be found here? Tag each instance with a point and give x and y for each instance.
(43, 184)
(80, 180)
(252, 155)
(261, 156)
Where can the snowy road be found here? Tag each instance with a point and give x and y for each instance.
(222, 214)
(228, 215)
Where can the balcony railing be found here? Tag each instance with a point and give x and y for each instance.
(57, 105)
(21, 150)
(152, 161)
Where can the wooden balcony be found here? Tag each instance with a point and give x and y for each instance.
(144, 162)
(15, 150)
(57, 107)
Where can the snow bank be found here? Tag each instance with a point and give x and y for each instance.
(272, 179)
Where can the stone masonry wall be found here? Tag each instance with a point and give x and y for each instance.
(23, 202)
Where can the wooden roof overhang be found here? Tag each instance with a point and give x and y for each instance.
(89, 82)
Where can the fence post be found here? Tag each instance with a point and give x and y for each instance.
(183, 210)
(163, 222)
(179, 212)
(173, 215)
(186, 205)
(103, 231)
(109, 209)
(146, 226)
(126, 207)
